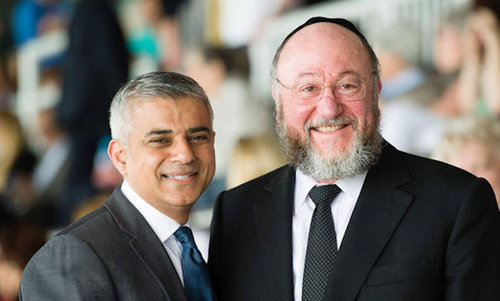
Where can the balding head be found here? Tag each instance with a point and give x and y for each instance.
(336, 21)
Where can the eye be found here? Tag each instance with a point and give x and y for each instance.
(309, 90)
(198, 139)
(347, 87)
(159, 140)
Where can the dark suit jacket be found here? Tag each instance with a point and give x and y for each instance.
(95, 66)
(111, 254)
(421, 230)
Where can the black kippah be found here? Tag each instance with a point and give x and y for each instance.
(339, 21)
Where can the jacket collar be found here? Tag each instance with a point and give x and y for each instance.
(144, 242)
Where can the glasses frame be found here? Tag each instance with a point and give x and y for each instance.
(320, 96)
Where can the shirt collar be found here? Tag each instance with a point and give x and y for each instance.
(304, 183)
(163, 225)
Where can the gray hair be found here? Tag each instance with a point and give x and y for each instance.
(143, 88)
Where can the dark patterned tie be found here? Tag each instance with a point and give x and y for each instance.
(321, 245)
(194, 269)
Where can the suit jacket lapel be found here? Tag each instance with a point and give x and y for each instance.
(273, 213)
(378, 211)
(147, 246)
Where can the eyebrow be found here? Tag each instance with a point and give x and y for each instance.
(158, 132)
(302, 74)
(198, 129)
(166, 132)
(343, 73)
(349, 72)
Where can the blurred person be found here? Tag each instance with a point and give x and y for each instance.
(413, 122)
(238, 23)
(6, 43)
(223, 73)
(11, 144)
(490, 4)
(19, 192)
(138, 246)
(416, 122)
(473, 143)
(89, 205)
(11, 148)
(480, 72)
(448, 41)
(397, 49)
(53, 163)
(407, 122)
(156, 43)
(31, 18)
(400, 227)
(95, 66)
(19, 240)
(17, 162)
(7, 87)
(105, 178)
(467, 44)
(252, 157)
(52, 143)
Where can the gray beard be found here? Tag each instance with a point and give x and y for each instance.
(358, 158)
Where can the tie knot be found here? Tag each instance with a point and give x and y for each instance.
(324, 193)
(185, 236)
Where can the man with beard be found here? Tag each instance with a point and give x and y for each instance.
(350, 217)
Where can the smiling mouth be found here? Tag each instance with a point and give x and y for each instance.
(329, 128)
(179, 177)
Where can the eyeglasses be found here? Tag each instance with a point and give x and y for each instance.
(310, 89)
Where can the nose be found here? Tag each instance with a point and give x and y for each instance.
(329, 105)
(182, 152)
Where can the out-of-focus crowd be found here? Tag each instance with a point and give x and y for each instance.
(61, 61)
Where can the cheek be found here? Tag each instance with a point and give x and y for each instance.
(145, 164)
(364, 115)
(295, 117)
(206, 155)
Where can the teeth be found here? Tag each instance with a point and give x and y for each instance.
(177, 177)
(330, 128)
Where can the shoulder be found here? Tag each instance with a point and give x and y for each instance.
(79, 236)
(396, 162)
(432, 181)
(72, 256)
(280, 176)
(64, 268)
(91, 224)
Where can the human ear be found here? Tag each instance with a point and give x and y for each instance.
(118, 154)
(379, 85)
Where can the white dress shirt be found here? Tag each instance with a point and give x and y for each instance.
(163, 226)
(342, 209)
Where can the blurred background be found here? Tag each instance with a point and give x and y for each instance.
(61, 61)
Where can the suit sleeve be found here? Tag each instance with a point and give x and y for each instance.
(473, 252)
(66, 268)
